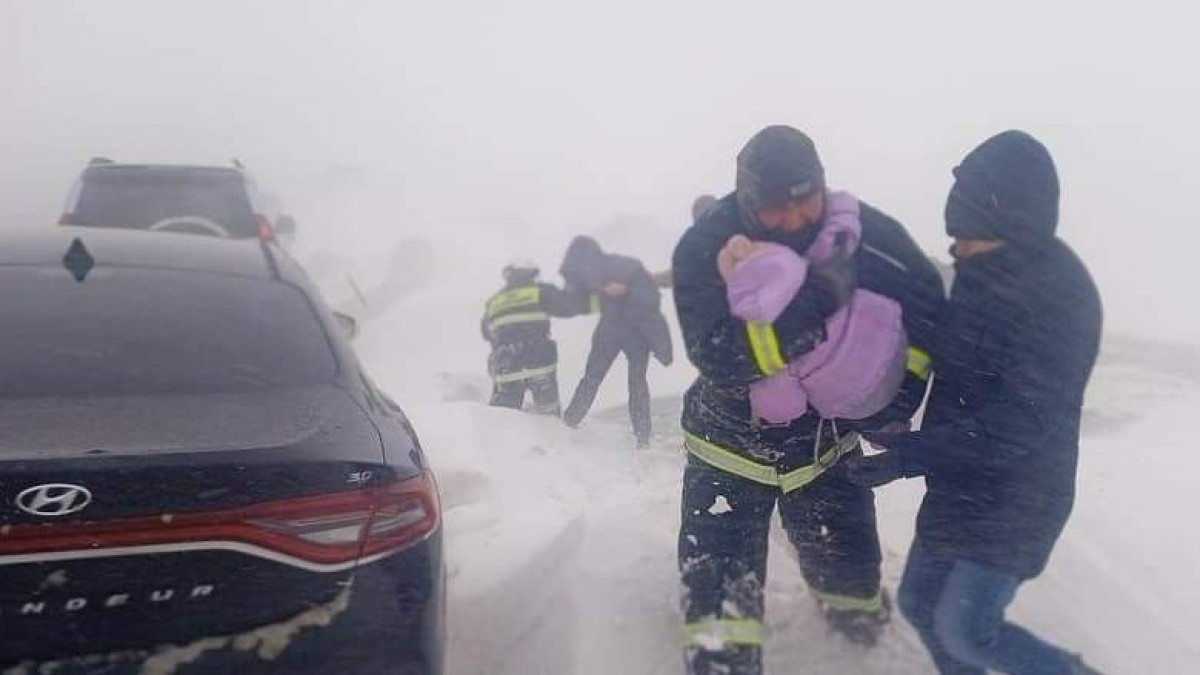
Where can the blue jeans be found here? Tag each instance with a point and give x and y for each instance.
(958, 607)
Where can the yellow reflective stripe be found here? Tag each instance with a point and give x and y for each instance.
(523, 317)
(764, 344)
(594, 304)
(774, 354)
(798, 478)
(514, 297)
(727, 460)
(756, 346)
(714, 634)
(730, 461)
(919, 363)
(527, 374)
(847, 603)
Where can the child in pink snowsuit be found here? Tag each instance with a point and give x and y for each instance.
(860, 367)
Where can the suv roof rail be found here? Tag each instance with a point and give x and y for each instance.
(100, 160)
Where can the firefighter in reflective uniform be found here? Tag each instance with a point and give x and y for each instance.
(517, 324)
(741, 469)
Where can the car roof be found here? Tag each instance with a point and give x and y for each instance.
(128, 248)
(117, 166)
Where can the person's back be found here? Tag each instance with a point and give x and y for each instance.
(516, 322)
(516, 314)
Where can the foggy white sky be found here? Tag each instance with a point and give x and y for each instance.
(561, 114)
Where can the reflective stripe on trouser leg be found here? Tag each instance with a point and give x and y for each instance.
(717, 634)
(526, 374)
(846, 603)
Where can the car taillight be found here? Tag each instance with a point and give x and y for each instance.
(373, 522)
(265, 231)
(322, 531)
(401, 518)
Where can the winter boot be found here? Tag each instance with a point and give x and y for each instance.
(862, 628)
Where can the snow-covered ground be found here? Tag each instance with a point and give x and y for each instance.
(561, 543)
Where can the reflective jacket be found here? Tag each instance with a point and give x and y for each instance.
(516, 321)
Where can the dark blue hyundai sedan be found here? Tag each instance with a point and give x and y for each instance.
(196, 474)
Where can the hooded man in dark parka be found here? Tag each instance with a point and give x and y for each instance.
(631, 323)
(999, 445)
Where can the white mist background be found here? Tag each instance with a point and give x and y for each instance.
(375, 119)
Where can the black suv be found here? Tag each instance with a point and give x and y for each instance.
(196, 475)
(216, 201)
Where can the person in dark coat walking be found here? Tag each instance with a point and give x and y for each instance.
(740, 468)
(516, 321)
(631, 323)
(1000, 440)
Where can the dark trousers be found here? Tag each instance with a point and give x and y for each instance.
(543, 388)
(600, 360)
(723, 557)
(957, 607)
(518, 368)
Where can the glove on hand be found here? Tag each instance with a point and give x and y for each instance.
(872, 471)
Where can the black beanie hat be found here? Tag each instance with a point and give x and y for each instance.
(1006, 189)
(777, 166)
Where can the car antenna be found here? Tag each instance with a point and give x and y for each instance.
(238, 163)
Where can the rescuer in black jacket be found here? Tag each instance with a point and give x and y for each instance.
(740, 469)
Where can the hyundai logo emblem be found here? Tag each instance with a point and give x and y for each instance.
(54, 499)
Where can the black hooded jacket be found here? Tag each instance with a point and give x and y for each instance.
(1015, 349)
(636, 315)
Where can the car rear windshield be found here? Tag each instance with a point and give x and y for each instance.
(148, 332)
(141, 197)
